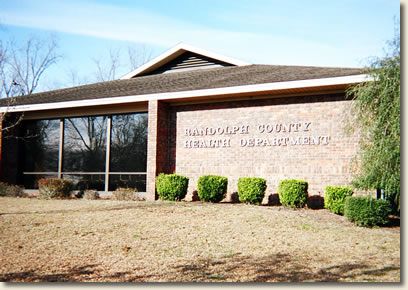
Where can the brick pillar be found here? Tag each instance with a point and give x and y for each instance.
(157, 145)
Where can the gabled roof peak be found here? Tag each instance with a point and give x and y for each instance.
(177, 51)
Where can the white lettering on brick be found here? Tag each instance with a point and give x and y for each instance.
(288, 130)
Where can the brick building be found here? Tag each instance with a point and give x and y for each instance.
(191, 112)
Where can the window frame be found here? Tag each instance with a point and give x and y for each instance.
(107, 173)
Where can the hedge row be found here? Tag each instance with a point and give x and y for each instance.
(58, 188)
(210, 188)
(213, 188)
(364, 211)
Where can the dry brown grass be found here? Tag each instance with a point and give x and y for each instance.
(105, 240)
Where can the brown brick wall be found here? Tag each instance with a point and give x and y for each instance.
(320, 165)
(157, 146)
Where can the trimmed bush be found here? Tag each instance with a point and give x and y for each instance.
(50, 188)
(171, 186)
(366, 211)
(212, 188)
(122, 193)
(334, 197)
(90, 194)
(251, 189)
(11, 190)
(293, 192)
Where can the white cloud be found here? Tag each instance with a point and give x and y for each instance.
(136, 25)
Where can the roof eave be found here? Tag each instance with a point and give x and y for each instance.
(231, 91)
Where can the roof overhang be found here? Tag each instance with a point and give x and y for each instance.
(173, 53)
(296, 86)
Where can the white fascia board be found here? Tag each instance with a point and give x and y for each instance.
(176, 51)
(268, 87)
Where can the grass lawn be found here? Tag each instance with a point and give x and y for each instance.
(105, 240)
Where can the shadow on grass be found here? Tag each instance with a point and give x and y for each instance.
(232, 268)
(393, 221)
(315, 202)
(32, 276)
(273, 200)
(275, 268)
(87, 273)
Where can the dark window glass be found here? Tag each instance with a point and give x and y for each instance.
(84, 144)
(129, 143)
(84, 151)
(41, 145)
(128, 151)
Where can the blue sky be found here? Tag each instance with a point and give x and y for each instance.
(293, 32)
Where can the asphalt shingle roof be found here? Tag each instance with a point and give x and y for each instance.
(185, 81)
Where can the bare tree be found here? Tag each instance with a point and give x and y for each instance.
(75, 79)
(22, 67)
(138, 55)
(84, 143)
(107, 68)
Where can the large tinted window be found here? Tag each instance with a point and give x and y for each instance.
(41, 143)
(128, 151)
(84, 144)
(129, 143)
(84, 151)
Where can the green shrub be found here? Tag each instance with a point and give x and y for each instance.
(334, 197)
(90, 194)
(293, 193)
(11, 190)
(212, 188)
(50, 188)
(251, 189)
(171, 186)
(367, 211)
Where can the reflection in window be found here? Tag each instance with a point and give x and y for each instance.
(40, 154)
(84, 144)
(41, 143)
(128, 151)
(129, 143)
(84, 151)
